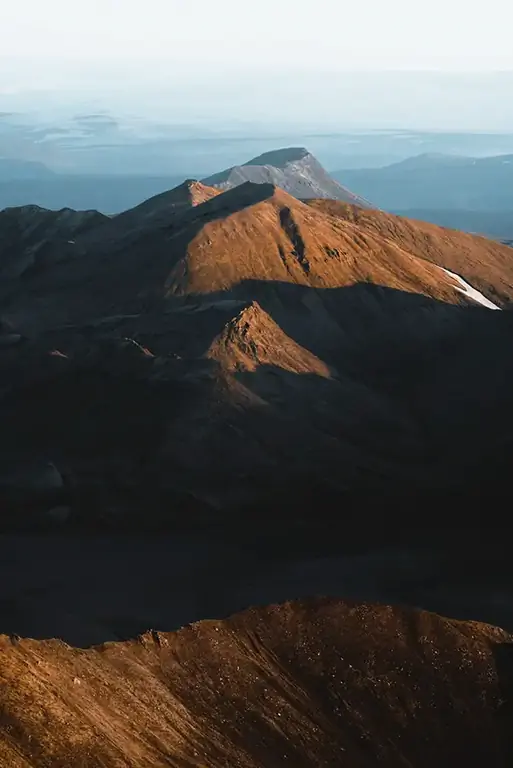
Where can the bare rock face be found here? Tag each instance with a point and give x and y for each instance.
(292, 169)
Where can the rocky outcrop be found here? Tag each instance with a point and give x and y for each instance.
(293, 169)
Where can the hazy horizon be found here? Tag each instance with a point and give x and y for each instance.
(446, 67)
(359, 100)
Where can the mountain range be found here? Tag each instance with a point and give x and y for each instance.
(294, 169)
(14, 170)
(270, 398)
(248, 304)
(466, 193)
(437, 181)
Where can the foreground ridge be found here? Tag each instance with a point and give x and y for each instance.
(308, 682)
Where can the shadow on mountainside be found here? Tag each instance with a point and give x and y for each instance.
(404, 443)
(90, 590)
(109, 271)
(416, 404)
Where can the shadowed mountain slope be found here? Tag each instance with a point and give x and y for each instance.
(222, 350)
(268, 386)
(32, 238)
(253, 232)
(157, 210)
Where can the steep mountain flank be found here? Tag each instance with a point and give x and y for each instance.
(306, 683)
(32, 238)
(228, 350)
(158, 209)
(486, 264)
(259, 232)
(254, 232)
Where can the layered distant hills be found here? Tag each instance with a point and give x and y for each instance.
(468, 193)
(438, 182)
(12, 170)
(294, 169)
(471, 194)
(109, 194)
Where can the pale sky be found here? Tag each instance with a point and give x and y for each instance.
(326, 35)
(325, 61)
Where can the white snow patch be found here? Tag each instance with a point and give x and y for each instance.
(467, 290)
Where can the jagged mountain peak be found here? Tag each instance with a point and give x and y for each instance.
(245, 195)
(192, 191)
(252, 339)
(189, 194)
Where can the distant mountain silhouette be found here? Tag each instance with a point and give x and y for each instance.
(431, 160)
(494, 224)
(293, 169)
(108, 194)
(14, 170)
(434, 181)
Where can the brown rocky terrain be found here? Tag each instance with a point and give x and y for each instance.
(245, 348)
(254, 232)
(319, 682)
(160, 208)
(484, 263)
(223, 399)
